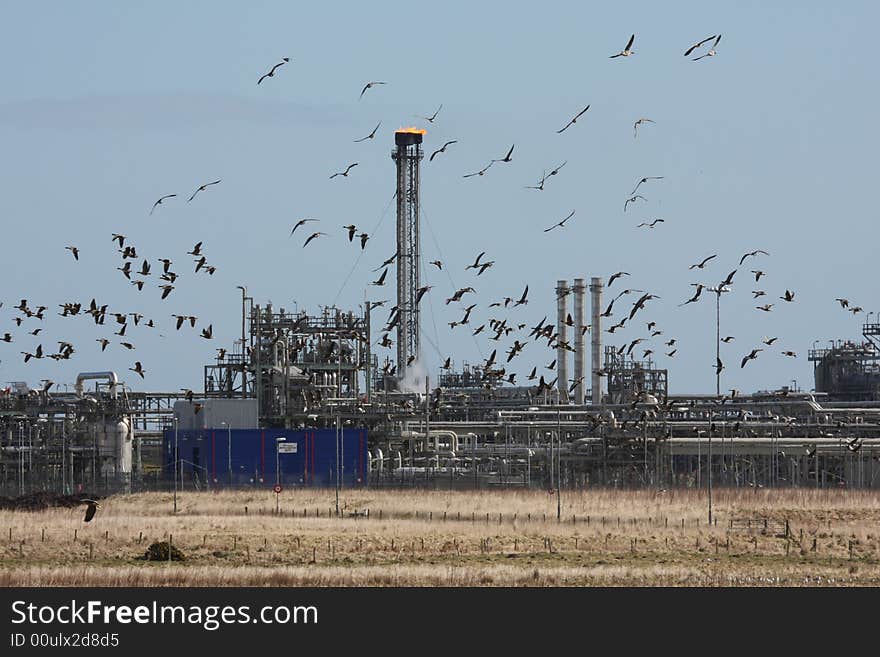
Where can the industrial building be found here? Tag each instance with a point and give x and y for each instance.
(302, 400)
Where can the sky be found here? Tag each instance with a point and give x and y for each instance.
(770, 144)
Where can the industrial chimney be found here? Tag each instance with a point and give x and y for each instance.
(579, 290)
(562, 292)
(407, 154)
(596, 286)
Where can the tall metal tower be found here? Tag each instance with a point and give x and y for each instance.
(407, 156)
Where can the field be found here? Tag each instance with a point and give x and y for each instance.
(759, 537)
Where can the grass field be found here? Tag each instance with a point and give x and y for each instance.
(440, 538)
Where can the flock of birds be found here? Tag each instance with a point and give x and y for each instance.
(495, 328)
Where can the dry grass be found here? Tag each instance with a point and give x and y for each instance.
(606, 538)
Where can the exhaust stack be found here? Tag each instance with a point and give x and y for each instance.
(579, 357)
(562, 291)
(596, 286)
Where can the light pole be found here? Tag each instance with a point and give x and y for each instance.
(243, 362)
(228, 450)
(175, 462)
(718, 290)
(709, 462)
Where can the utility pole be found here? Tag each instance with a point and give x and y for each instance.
(558, 462)
(175, 463)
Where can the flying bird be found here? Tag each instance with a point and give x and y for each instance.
(369, 136)
(481, 171)
(632, 199)
(626, 52)
(844, 303)
(430, 119)
(644, 180)
(652, 224)
(766, 307)
(364, 237)
(617, 275)
(74, 250)
(788, 296)
(352, 229)
(711, 52)
(698, 44)
(559, 224)
(574, 120)
(311, 237)
(789, 353)
(752, 253)
(344, 173)
(196, 250)
(298, 224)
(436, 263)
(159, 202)
(271, 72)
(91, 509)
(369, 85)
(702, 264)
(523, 300)
(751, 356)
(442, 149)
(201, 189)
(137, 369)
(638, 123)
(507, 157)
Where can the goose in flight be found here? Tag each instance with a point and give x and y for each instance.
(752, 253)
(369, 85)
(560, 224)
(626, 52)
(297, 225)
(271, 72)
(91, 509)
(788, 296)
(159, 202)
(430, 119)
(137, 369)
(573, 120)
(311, 237)
(753, 355)
(644, 180)
(652, 224)
(507, 157)
(616, 276)
(481, 171)
(381, 279)
(632, 199)
(711, 52)
(74, 250)
(638, 123)
(702, 264)
(369, 136)
(344, 173)
(201, 189)
(442, 149)
(698, 44)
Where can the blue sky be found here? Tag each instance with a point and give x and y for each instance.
(106, 106)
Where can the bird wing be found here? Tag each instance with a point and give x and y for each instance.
(717, 40)
(629, 44)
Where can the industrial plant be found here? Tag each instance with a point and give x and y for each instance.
(301, 399)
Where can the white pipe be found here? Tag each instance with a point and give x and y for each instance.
(82, 376)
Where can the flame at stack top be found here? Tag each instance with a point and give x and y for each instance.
(409, 136)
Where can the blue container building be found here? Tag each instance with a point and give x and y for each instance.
(239, 457)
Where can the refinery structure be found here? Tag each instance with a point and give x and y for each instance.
(301, 399)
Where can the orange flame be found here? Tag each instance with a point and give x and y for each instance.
(412, 130)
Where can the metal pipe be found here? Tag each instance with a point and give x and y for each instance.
(83, 376)
(596, 286)
(562, 291)
(579, 356)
